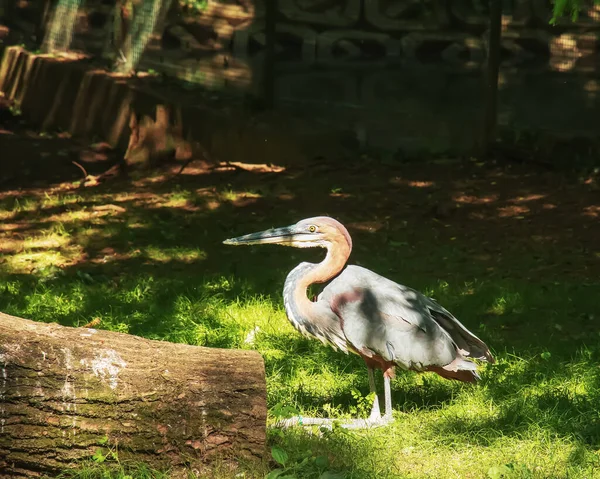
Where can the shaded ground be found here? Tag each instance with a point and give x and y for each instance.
(512, 251)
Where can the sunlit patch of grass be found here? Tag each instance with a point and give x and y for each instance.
(208, 320)
(234, 196)
(178, 198)
(508, 302)
(164, 255)
(57, 199)
(27, 261)
(92, 470)
(477, 432)
(24, 204)
(73, 216)
(6, 215)
(115, 468)
(51, 305)
(47, 241)
(533, 416)
(147, 269)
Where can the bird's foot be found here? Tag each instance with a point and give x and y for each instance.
(372, 422)
(375, 412)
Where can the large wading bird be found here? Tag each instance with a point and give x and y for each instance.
(386, 323)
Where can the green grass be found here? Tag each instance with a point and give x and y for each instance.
(154, 266)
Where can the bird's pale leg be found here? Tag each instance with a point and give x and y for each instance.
(375, 412)
(374, 420)
(387, 388)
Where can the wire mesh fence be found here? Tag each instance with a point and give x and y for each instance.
(59, 34)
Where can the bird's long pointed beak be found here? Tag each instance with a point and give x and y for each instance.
(272, 236)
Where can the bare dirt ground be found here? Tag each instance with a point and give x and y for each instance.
(487, 207)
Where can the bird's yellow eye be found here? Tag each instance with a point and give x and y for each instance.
(312, 228)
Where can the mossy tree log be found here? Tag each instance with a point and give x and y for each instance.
(65, 392)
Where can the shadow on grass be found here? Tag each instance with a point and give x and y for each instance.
(147, 259)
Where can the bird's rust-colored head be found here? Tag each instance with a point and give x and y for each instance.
(320, 231)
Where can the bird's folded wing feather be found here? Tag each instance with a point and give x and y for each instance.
(398, 323)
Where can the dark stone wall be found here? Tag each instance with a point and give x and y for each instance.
(401, 73)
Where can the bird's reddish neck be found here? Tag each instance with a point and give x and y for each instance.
(316, 318)
(334, 262)
(302, 277)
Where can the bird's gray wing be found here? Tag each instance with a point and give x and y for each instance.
(394, 321)
(469, 344)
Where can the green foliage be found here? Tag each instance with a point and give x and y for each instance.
(569, 8)
(105, 464)
(15, 109)
(305, 465)
(279, 455)
(280, 411)
(364, 403)
(194, 5)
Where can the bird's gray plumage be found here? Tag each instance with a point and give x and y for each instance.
(327, 329)
(359, 311)
(398, 323)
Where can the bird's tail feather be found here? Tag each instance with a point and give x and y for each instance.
(466, 376)
(460, 369)
(462, 337)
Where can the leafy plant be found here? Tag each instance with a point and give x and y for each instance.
(569, 7)
(363, 403)
(281, 411)
(307, 466)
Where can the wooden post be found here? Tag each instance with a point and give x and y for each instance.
(66, 392)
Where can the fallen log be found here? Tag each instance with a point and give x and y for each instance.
(67, 392)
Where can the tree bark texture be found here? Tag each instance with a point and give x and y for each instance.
(65, 392)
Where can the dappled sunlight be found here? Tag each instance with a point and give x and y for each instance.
(240, 199)
(412, 183)
(12, 226)
(76, 216)
(46, 241)
(512, 211)
(507, 303)
(165, 255)
(5, 215)
(592, 211)
(10, 245)
(147, 258)
(527, 198)
(188, 200)
(469, 437)
(108, 255)
(526, 395)
(254, 167)
(549, 206)
(474, 200)
(26, 262)
(202, 169)
(340, 195)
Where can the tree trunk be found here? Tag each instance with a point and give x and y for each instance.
(44, 10)
(268, 81)
(65, 392)
(491, 77)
